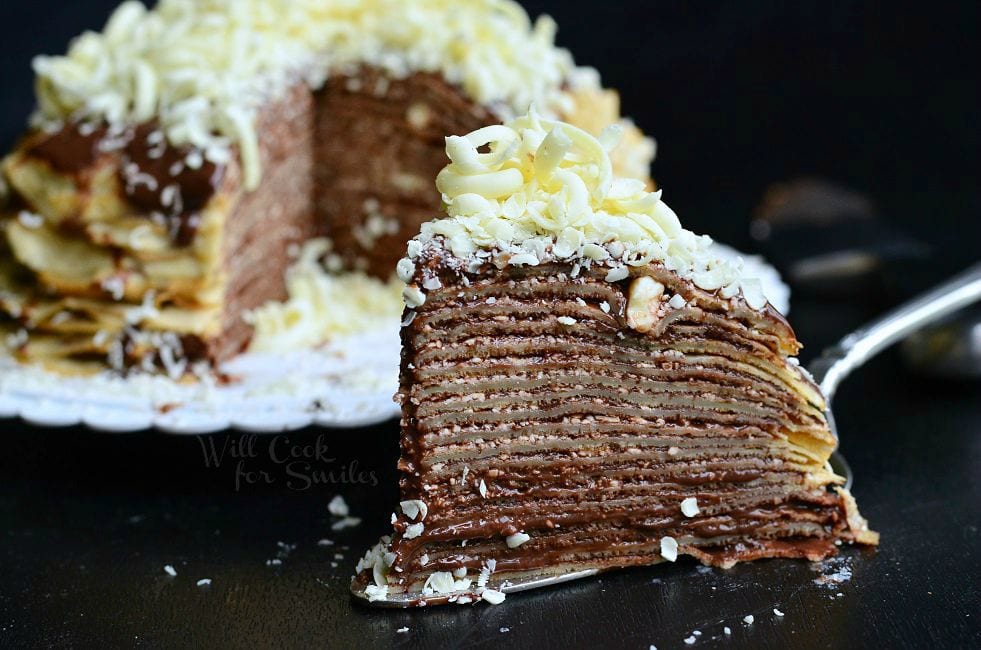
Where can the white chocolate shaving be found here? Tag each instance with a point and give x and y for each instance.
(203, 68)
(375, 559)
(516, 540)
(29, 219)
(374, 592)
(414, 530)
(485, 572)
(442, 582)
(338, 506)
(413, 297)
(493, 596)
(415, 509)
(322, 306)
(689, 507)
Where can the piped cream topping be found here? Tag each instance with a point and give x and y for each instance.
(535, 190)
(202, 68)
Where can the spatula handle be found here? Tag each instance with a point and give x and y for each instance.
(838, 361)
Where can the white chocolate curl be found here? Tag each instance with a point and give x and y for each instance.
(544, 177)
(536, 189)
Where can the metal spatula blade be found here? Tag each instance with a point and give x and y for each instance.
(509, 586)
(838, 361)
(829, 370)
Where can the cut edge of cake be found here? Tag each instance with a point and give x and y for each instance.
(585, 387)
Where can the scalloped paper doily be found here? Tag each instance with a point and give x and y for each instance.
(347, 383)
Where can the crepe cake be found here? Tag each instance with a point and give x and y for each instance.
(178, 161)
(585, 387)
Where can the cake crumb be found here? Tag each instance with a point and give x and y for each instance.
(170, 570)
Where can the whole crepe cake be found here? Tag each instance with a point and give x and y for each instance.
(179, 160)
(585, 386)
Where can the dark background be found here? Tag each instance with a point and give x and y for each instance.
(881, 98)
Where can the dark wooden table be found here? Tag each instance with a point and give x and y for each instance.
(89, 520)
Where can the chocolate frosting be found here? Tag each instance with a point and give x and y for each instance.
(68, 150)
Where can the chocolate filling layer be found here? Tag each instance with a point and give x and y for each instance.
(588, 436)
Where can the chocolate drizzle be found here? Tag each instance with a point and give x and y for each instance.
(71, 149)
(156, 178)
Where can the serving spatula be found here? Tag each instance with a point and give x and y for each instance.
(839, 360)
